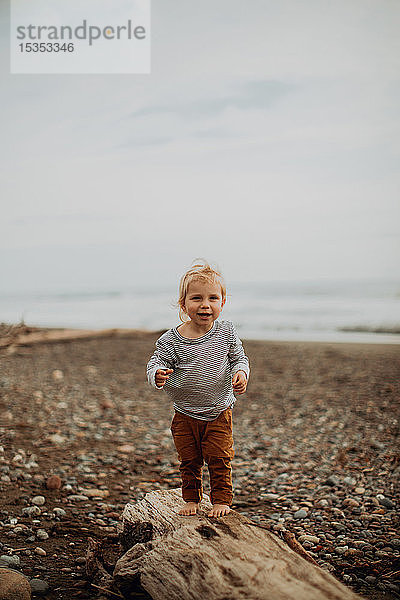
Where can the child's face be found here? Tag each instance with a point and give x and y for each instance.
(203, 302)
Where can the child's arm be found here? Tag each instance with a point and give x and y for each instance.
(239, 363)
(160, 365)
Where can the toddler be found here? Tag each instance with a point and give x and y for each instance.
(200, 363)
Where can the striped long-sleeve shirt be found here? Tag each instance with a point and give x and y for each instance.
(201, 384)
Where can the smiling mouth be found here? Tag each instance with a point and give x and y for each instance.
(204, 314)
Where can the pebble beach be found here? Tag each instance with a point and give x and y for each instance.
(317, 453)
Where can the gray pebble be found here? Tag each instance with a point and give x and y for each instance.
(270, 497)
(355, 523)
(77, 498)
(386, 502)
(349, 480)
(274, 516)
(323, 503)
(377, 445)
(41, 534)
(300, 514)
(18, 529)
(308, 538)
(366, 547)
(10, 561)
(38, 586)
(31, 511)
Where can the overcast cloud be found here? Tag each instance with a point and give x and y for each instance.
(266, 139)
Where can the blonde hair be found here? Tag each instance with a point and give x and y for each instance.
(198, 272)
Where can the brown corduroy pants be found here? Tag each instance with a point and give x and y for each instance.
(197, 441)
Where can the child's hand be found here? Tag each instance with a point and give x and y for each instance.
(239, 382)
(162, 376)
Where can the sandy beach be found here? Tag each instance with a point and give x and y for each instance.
(316, 442)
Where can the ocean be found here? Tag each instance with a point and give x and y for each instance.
(323, 310)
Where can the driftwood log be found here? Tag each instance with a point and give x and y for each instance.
(228, 558)
(20, 335)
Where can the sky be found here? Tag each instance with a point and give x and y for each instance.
(265, 139)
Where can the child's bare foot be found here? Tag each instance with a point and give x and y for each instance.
(190, 508)
(219, 510)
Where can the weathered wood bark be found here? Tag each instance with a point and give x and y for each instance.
(227, 558)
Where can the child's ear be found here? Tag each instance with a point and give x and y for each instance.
(223, 301)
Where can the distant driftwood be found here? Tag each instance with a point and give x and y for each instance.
(228, 558)
(21, 335)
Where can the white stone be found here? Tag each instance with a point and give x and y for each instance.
(38, 500)
(58, 375)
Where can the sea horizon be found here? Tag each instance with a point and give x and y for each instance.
(347, 310)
